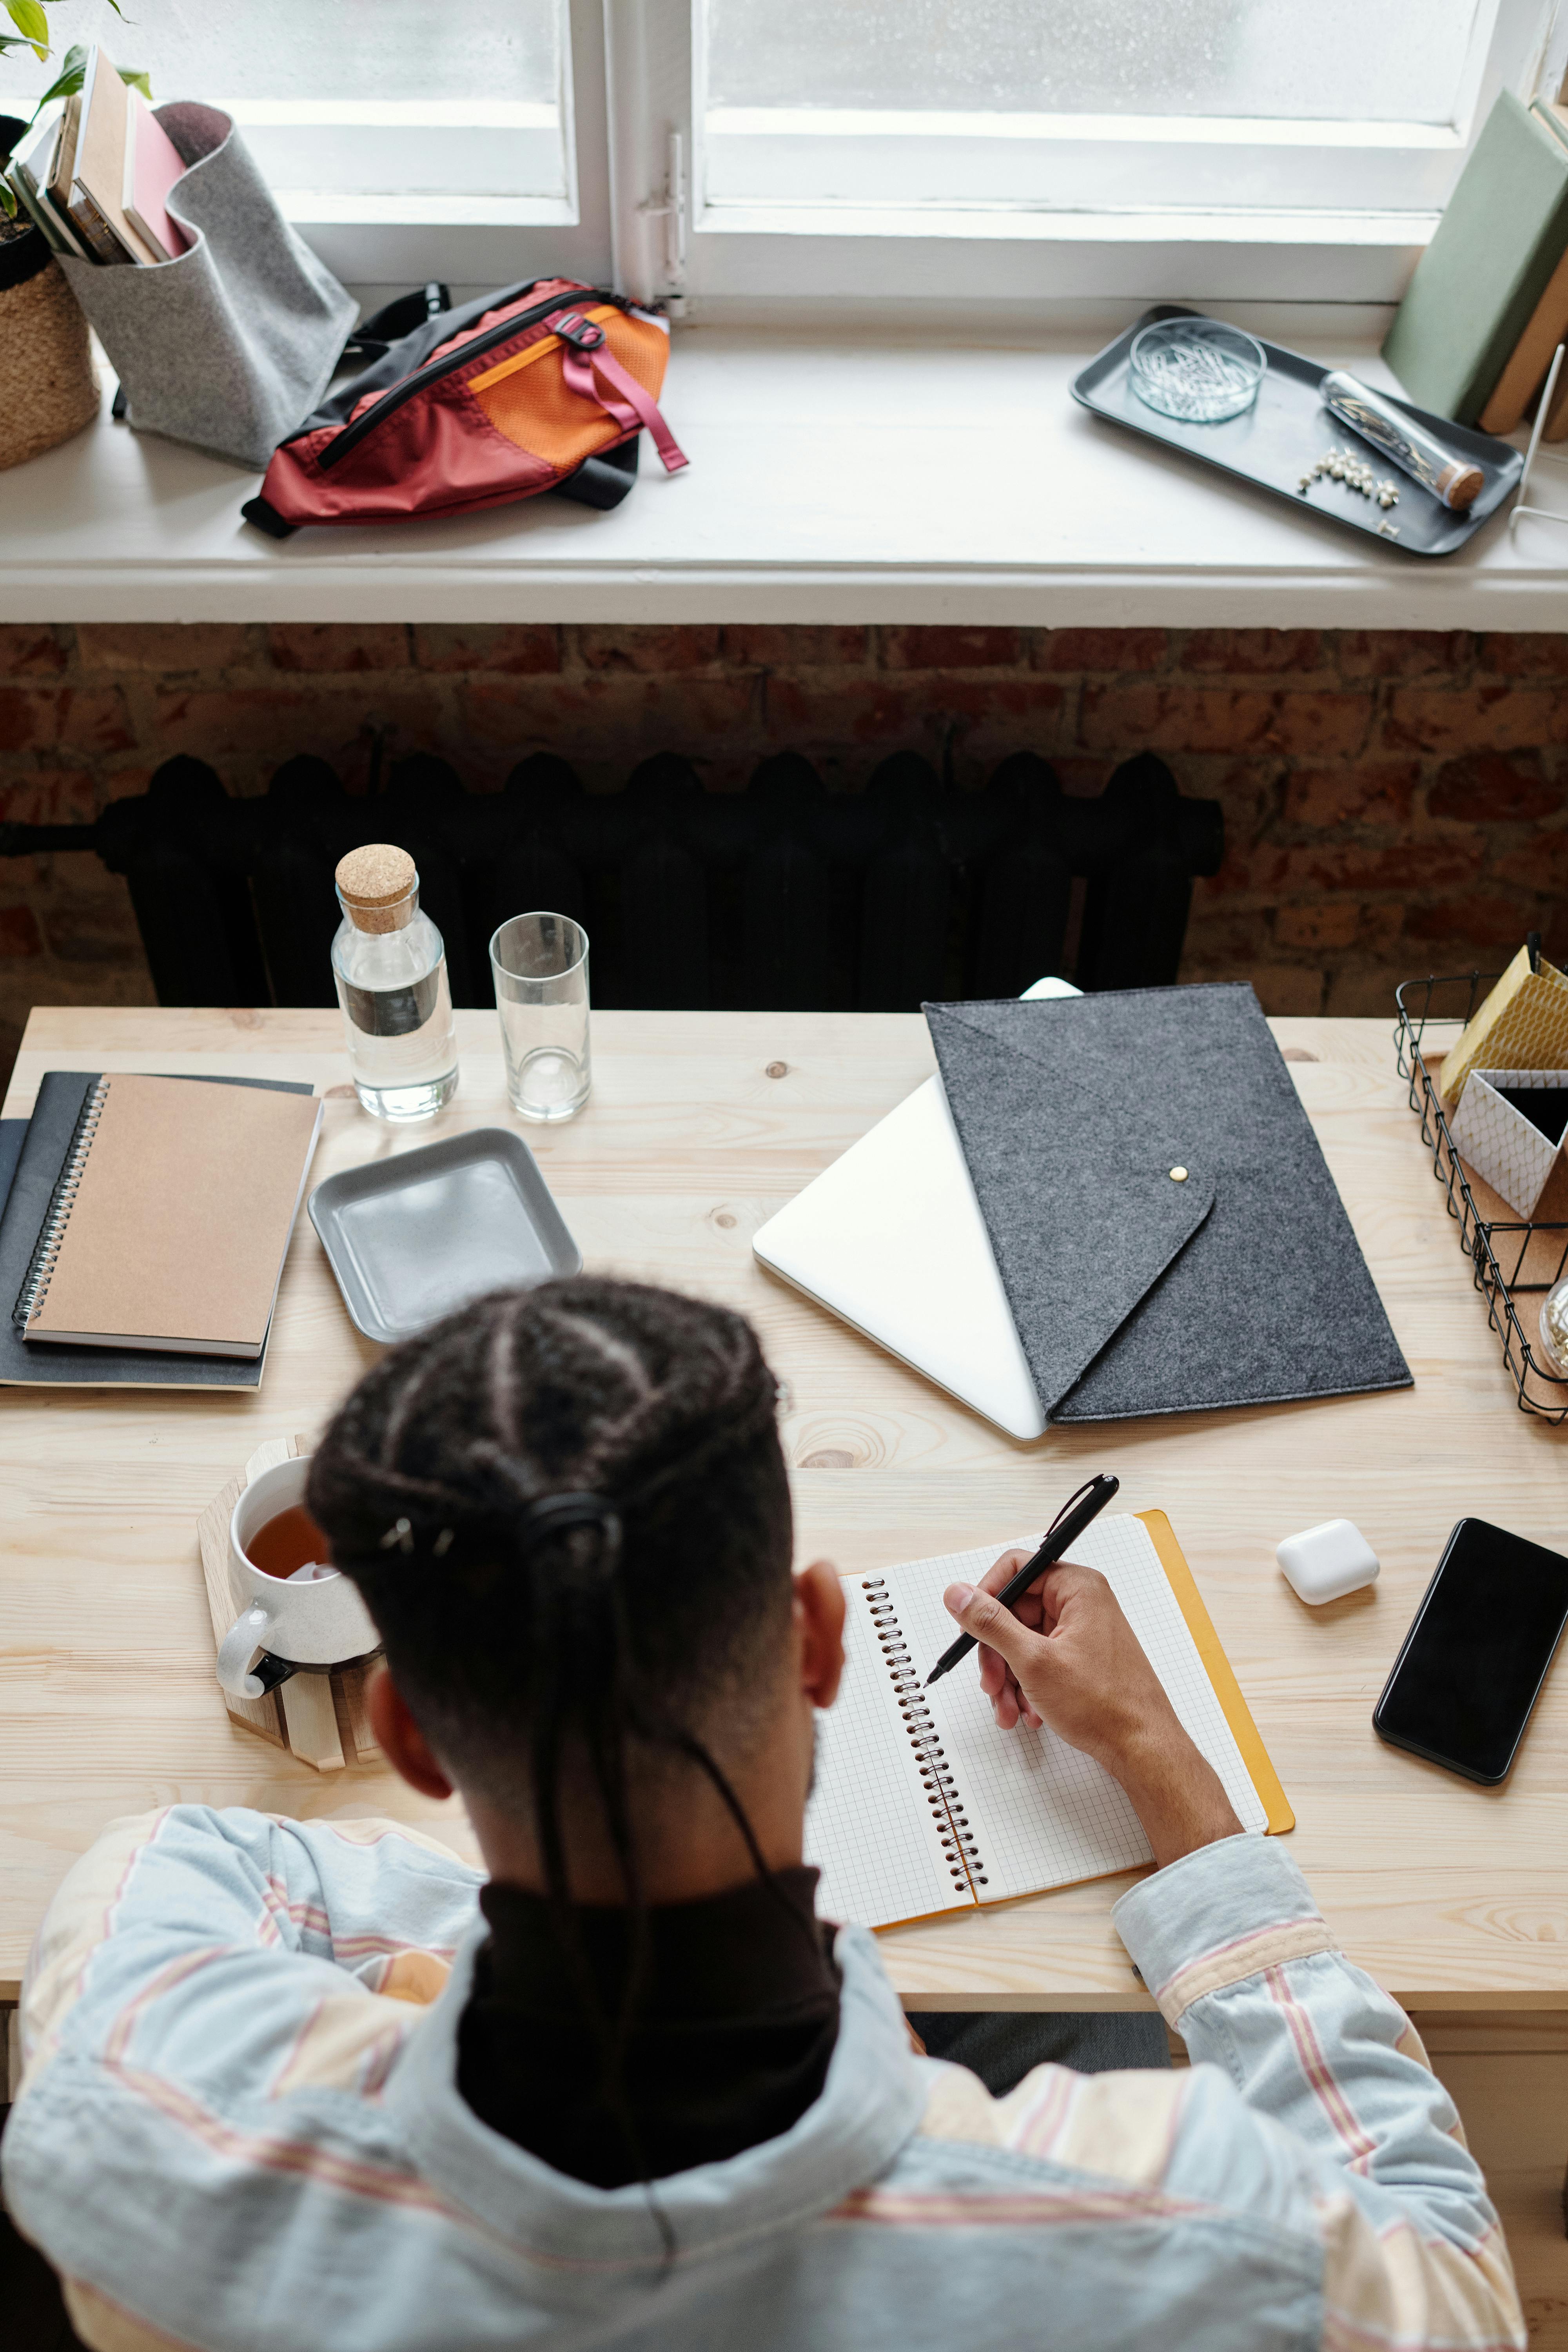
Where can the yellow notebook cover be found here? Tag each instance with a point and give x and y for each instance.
(1218, 1667)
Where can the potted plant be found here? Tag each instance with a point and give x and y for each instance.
(49, 387)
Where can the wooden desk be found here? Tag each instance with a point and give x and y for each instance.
(700, 1124)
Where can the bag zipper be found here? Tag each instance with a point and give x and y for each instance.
(350, 435)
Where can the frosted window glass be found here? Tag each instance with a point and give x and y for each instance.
(1360, 61)
(401, 49)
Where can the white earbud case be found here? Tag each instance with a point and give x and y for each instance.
(1325, 1563)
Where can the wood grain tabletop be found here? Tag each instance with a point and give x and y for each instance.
(700, 1124)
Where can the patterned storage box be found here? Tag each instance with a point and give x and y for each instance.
(1522, 1026)
(1513, 1148)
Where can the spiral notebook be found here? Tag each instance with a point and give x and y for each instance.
(921, 1805)
(150, 1218)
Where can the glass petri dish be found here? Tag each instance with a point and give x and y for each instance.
(1199, 370)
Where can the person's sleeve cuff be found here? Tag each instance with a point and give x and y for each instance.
(1215, 1917)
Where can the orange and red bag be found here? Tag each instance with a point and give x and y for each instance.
(542, 386)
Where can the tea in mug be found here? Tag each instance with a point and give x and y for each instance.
(284, 1545)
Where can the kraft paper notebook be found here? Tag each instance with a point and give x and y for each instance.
(921, 1805)
(144, 1234)
(95, 200)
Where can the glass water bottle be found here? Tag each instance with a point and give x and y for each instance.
(390, 972)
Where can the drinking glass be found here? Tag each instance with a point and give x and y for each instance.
(540, 966)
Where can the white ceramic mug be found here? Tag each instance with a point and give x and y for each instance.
(314, 1618)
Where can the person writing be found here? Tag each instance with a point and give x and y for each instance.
(320, 2082)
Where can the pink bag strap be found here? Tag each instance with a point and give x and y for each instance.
(591, 369)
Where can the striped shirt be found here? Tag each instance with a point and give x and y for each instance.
(239, 2127)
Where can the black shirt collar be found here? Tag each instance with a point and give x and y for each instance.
(734, 2027)
(752, 1950)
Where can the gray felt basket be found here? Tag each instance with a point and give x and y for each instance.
(229, 345)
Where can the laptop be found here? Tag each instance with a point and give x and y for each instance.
(890, 1239)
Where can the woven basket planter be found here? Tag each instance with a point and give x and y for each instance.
(48, 389)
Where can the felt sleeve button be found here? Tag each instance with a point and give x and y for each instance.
(1178, 1175)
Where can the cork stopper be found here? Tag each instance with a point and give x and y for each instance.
(376, 885)
(1457, 485)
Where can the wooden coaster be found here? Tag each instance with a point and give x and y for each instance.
(319, 1717)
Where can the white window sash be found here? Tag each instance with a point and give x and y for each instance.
(760, 158)
(764, 207)
(779, 204)
(478, 192)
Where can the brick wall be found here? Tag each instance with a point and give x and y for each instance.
(1393, 801)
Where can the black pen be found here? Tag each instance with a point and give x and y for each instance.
(1069, 1523)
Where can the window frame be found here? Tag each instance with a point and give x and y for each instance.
(716, 257)
(636, 212)
(473, 241)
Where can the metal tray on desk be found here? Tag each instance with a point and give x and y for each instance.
(412, 1236)
(1287, 428)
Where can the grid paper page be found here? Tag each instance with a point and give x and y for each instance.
(868, 1828)
(1042, 1814)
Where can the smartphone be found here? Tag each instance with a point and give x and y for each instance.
(1473, 1662)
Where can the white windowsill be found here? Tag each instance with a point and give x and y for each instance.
(833, 478)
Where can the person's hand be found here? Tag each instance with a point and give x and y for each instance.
(1066, 1655)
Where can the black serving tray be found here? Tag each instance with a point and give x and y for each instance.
(1287, 428)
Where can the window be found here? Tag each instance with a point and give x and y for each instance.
(1001, 147)
(380, 113)
(1085, 106)
(729, 150)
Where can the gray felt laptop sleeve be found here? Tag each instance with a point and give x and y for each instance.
(1133, 1292)
(234, 342)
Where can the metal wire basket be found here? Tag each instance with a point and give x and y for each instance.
(1512, 1259)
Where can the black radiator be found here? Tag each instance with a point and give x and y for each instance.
(782, 896)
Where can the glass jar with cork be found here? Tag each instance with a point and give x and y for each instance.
(390, 972)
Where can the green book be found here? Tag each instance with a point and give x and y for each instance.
(31, 203)
(1477, 285)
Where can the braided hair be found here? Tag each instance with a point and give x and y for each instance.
(567, 1511)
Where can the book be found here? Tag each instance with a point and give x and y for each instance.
(13, 1134)
(96, 231)
(98, 169)
(32, 1154)
(1525, 372)
(171, 1219)
(58, 188)
(923, 1806)
(201, 1217)
(152, 164)
(1478, 284)
(28, 173)
(1546, 327)
(1554, 115)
